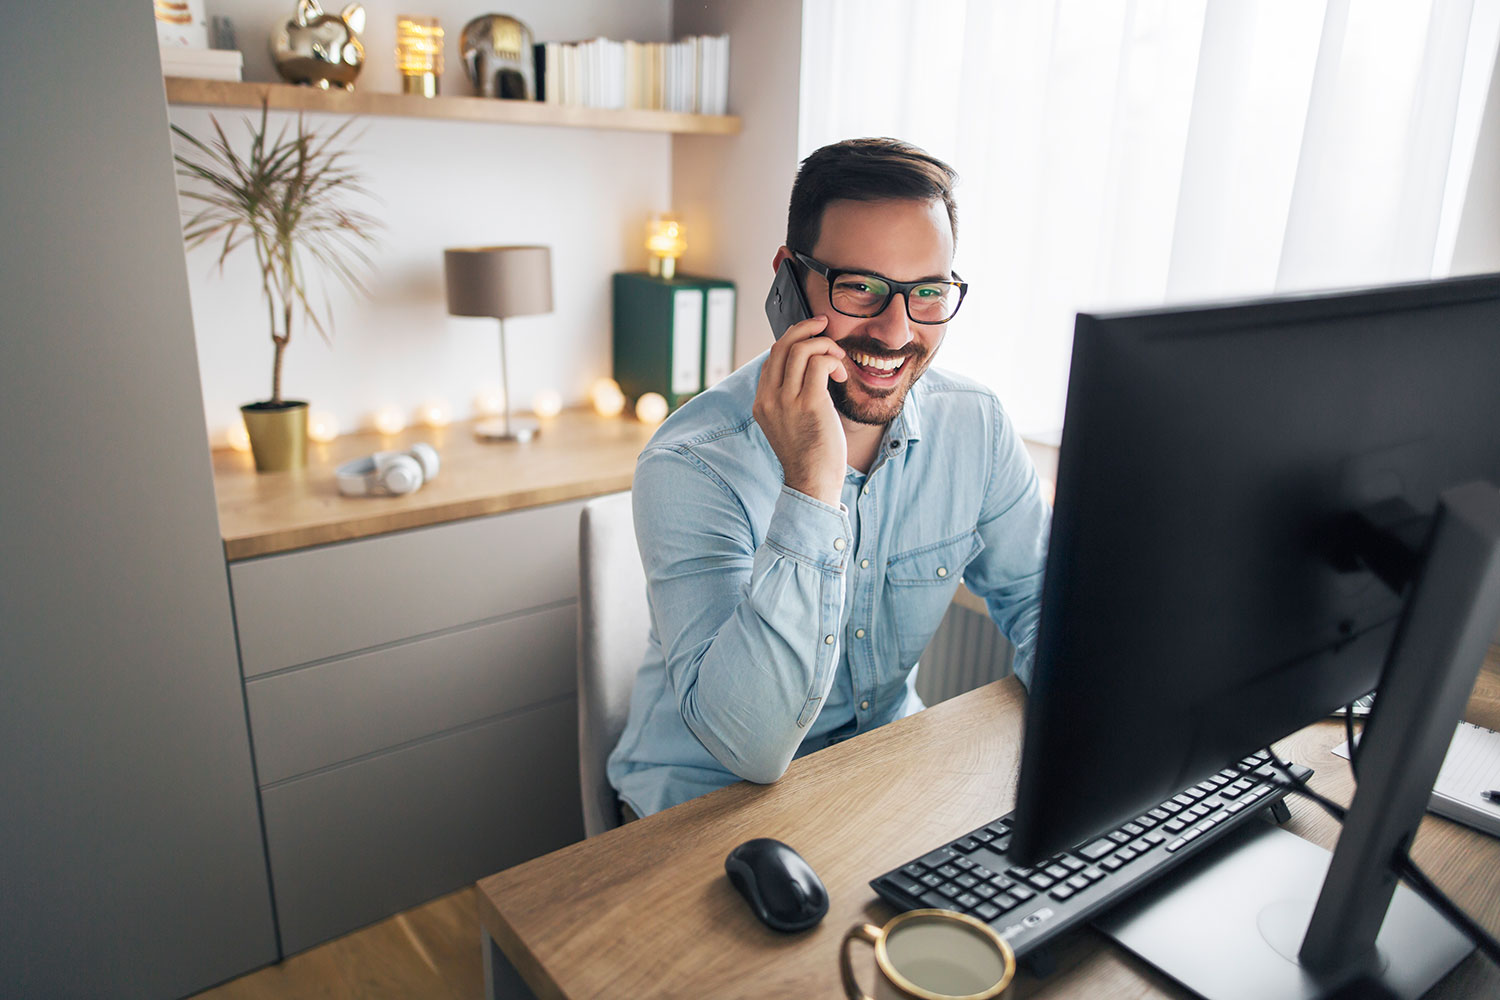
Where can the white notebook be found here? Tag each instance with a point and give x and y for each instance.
(1471, 768)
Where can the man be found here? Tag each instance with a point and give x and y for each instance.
(805, 523)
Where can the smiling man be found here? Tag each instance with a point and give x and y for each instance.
(805, 523)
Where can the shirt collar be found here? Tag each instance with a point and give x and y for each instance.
(907, 427)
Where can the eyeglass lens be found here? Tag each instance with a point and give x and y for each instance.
(866, 295)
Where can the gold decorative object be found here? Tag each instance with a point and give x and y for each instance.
(666, 239)
(278, 434)
(419, 54)
(498, 57)
(320, 49)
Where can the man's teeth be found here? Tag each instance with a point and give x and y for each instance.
(880, 364)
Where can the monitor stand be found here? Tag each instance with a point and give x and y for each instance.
(1279, 917)
(1229, 925)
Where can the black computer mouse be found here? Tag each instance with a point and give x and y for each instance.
(783, 891)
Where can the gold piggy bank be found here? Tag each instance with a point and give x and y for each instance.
(320, 49)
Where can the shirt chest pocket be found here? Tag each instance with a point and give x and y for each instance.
(919, 586)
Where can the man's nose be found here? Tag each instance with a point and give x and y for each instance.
(891, 327)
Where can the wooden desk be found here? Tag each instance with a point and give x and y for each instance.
(646, 910)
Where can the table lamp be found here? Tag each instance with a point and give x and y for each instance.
(501, 282)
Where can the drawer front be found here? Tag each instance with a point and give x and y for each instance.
(335, 711)
(359, 843)
(324, 602)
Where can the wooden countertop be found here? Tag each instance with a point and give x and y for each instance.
(577, 454)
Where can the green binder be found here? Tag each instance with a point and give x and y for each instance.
(674, 335)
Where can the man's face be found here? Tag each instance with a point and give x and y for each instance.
(903, 239)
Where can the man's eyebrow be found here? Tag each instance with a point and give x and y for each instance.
(885, 277)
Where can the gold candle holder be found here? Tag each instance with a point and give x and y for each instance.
(419, 54)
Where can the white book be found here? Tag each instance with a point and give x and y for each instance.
(718, 337)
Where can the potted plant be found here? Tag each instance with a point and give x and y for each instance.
(283, 199)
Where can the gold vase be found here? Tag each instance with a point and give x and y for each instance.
(278, 434)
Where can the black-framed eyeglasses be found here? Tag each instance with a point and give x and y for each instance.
(864, 295)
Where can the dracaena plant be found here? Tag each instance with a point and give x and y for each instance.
(283, 197)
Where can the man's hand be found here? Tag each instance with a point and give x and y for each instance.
(795, 412)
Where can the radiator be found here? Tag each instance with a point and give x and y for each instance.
(966, 651)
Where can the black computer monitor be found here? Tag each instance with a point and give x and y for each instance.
(1228, 475)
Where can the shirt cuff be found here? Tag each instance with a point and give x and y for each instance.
(810, 530)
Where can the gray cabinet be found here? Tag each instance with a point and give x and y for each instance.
(413, 711)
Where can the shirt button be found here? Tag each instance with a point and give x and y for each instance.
(828, 640)
(866, 490)
(864, 564)
(859, 633)
(838, 543)
(942, 571)
(864, 706)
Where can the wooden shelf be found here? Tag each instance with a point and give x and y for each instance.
(283, 96)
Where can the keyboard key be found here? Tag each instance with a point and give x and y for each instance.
(1192, 834)
(1097, 849)
(967, 881)
(1071, 863)
(980, 871)
(1195, 793)
(1235, 807)
(987, 911)
(968, 901)
(1078, 882)
(1058, 872)
(932, 880)
(1175, 825)
(1219, 816)
(963, 864)
(1134, 829)
(1041, 881)
(1213, 802)
(1155, 837)
(1229, 773)
(1125, 854)
(1119, 836)
(1021, 893)
(939, 857)
(1092, 874)
(1206, 786)
(1002, 883)
(1180, 842)
(984, 890)
(1147, 821)
(1160, 814)
(1140, 845)
(1181, 798)
(1173, 806)
(1062, 892)
(914, 870)
(910, 888)
(1005, 902)
(983, 836)
(966, 845)
(1018, 871)
(948, 871)
(1000, 844)
(950, 890)
(1111, 864)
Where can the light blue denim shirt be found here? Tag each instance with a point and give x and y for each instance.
(779, 624)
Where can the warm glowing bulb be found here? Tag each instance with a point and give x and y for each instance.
(436, 413)
(239, 438)
(322, 426)
(390, 420)
(651, 408)
(608, 400)
(489, 403)
(546, 403)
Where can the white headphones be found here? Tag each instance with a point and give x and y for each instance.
(388, 473)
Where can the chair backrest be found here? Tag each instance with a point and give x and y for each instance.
(613, 626)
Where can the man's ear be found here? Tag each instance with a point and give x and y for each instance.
(781, 254)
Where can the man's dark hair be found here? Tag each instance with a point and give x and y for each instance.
(864, 170)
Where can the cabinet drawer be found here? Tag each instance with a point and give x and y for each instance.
(342, 598)
(320, 715)
(358, 843)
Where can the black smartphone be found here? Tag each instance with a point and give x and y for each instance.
(786, 304)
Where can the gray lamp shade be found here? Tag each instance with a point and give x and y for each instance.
(498, 281)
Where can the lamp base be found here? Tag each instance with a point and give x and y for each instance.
(497, 430)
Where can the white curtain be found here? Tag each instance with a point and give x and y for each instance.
(1122, 153)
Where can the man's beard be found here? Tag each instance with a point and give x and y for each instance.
(878, 410)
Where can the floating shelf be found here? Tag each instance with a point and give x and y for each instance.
(286, 97)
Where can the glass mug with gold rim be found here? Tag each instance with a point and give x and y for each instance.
(931, 955)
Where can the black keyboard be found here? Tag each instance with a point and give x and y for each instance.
(1030, 905)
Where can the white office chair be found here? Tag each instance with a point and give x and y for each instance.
(613, 624)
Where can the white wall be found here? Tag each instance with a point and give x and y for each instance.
(1477, 246)
(584, 192)
(732, 191)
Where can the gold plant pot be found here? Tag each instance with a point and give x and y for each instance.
(278, 434)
